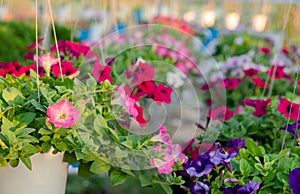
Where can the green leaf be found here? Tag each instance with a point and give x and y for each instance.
(145, 179)
(26, 160)
(282, 177)
(38, 106)
(245, 167)
(70, 158)
(99, 167)
(120, 153)
(24, 131)
(84, 170)
(13, 96)
(24, 118)
(14, 162)
(117, 177)
(6, 128)
(254, 149)
(166, 188)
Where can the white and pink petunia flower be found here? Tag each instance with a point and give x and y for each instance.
(63, 114)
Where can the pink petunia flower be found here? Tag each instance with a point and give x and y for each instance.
(47, 61)
(63, 114)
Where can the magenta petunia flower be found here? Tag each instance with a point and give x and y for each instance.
(289, 109)
(102, 73)
(265, 50)
(261, 106)
(250, 72)
(231, 83)
(140, 115)
(221, 113)
(67, 69)
(259, 82)
(278, 74)
(147, 87)
(162, 94)
(63, 114)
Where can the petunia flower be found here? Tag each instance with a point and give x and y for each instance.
(265, 50)
(259, 82)
(289, 109)
(67, 69)
(221, 113)
(47, 61)
(102, 73)
(63, 114)
(236, 144)
(231, 83)
(276, 72)
(147, 87)
(294, 180)
(162, 94)
(250, 72)
(199, 168)
(260, 105)
(140, 115)
(250, 188)
(200, 188)
(292, 128)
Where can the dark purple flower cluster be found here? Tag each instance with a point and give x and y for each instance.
(249, 188)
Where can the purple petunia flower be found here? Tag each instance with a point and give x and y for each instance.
(218, 157)
(294, 180)
(200, 188)
(292, 128)
(199, 168)
(237, 144)
(249, 188)
(232, 190)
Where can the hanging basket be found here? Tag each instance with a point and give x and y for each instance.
(48, 176)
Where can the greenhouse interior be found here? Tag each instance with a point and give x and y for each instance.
(149, 96)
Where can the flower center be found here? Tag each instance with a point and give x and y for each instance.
(62, 116)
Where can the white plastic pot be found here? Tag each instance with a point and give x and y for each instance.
(48, 176)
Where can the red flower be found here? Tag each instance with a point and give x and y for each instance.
(67, 69)
(25, 70)
(145, 72)
(162, 94)
(147, 87)
(140, 116)
(250, 72)
(102, 73)
(259, 82)
(32, 46)
(261, 106)
(231, 83)
(221, 113)
(289, 109)
(70, 48)
(278, 74)
(265, 50)
(285, 51)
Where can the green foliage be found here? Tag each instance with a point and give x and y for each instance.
(15, 36)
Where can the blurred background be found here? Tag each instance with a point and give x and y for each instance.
(80, 20)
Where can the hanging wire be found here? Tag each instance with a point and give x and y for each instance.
(37, 50)
(55, 39)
